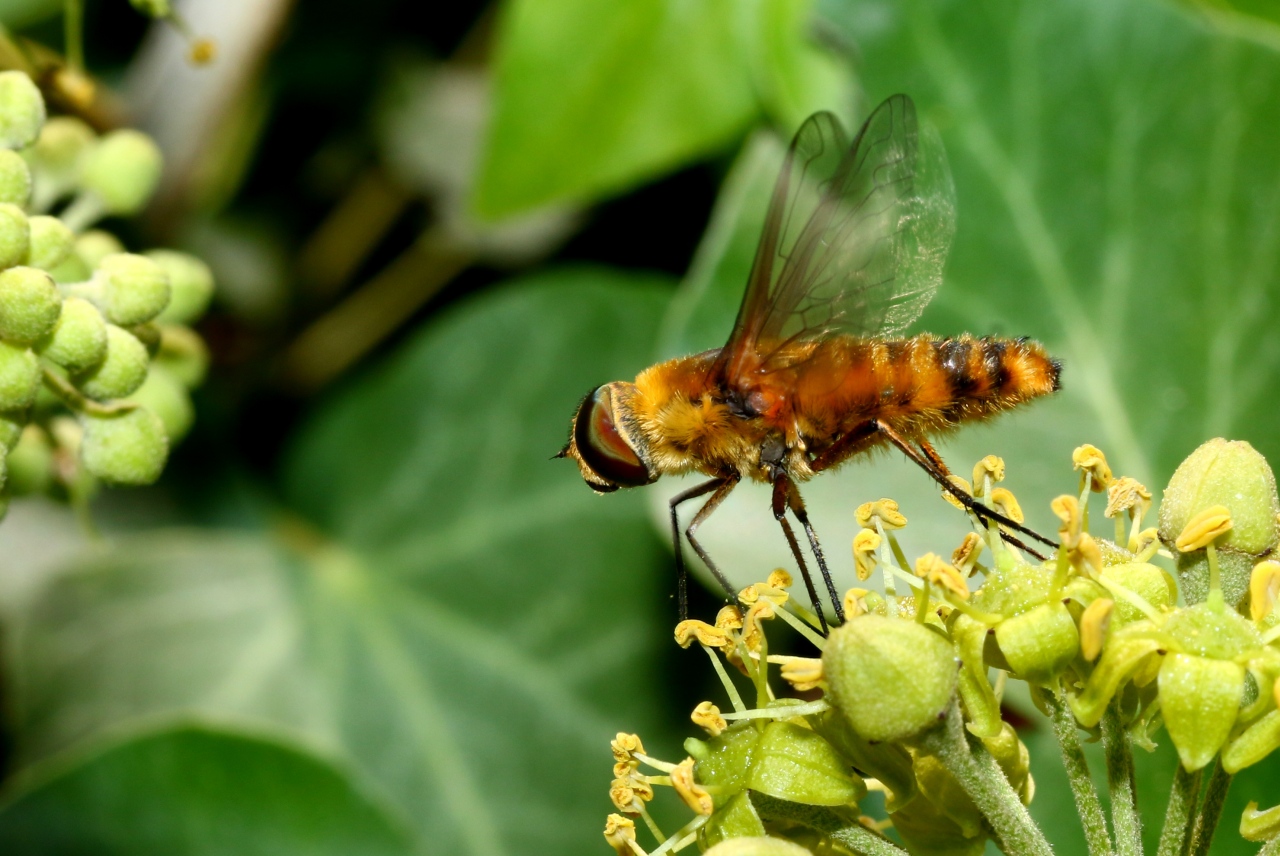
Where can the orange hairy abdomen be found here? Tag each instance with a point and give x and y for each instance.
(918, 385)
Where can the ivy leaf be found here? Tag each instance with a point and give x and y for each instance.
(442, 607)
(193, 788)
(592, 98)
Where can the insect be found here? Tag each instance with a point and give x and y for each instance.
(852, 250)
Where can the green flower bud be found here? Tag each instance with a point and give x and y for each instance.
(759, 846)
(19, 377)
(1014, 759)
(15, 235)
(737, 819)
(891, 678)
(167, 398)
(130, 289)
(120, 373)
(95, 245)
(1259, 825)
(1199, 699)
(1257, 742)
(29, 304)
(31, 463)
(51, 242)
(1234, 475)
(1040, 643)
(724, 762)
(21, 110)
(78, 341)
(190, 284)
(128, 448)
(71, 271)
(1213, 631)
(183, 354)
(122, 171)
(795, 764)
(11, 426)
(15, 178)
(1153, 584)
(58, 154)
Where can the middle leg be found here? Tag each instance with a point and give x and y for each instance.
(781, 486)
(796, 504)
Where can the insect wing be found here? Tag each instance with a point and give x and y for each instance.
(854, 240)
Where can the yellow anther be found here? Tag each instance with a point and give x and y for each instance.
(1007, 504)
(775, 589)
(694, 795)
(707, 717)
(803, 673)
(1086, 555)
(1090, 459)
(752, 632)
(966, 555)
(691, 629)
(1093, 627)
(961, 486)
(1264, 588)
(1067, 508)
(1139, 543)
(620, 833)
(931, 567)
(854, 605)
(1203, 529)
(865, 545)
(989, 467)
(885, 510)
(729, 618)
(779, 579)
(624, 796)
(1126, 494)
(625, 746)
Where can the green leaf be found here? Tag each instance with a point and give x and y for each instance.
(196, 789)
(1115, 166)
(592, 98)
(461, 619)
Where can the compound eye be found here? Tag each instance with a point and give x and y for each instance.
(601, 446)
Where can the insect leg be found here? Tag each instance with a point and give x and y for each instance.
(780, 491)
(682, 573)
(963, 498)
(798, 509)
(850, 443)
(723, 487)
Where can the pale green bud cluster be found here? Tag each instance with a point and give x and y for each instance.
(905, 696)
(96, 356)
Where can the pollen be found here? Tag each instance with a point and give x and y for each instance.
(1007, 504)
(854, 602)
(990, 467)
(930, 567)
(1089, 459)
(803, 673)
(620, 833)
(884, 510)
(1093, 627)
(1126, 494)
(966, 555)
(694, 795)
(1203, 529)
(960, 485)
(865, 545)
(691, 630)
(707, 717)
(1264, 588)
(1067, 509)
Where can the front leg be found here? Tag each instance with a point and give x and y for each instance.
(719, 488)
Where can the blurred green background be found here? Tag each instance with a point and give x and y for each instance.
(363, 613)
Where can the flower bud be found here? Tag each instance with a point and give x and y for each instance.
(58, 153)
(757, 846)
(184, 354)
(167, 398)
(796, 764)
(1199, 699)
(15, 178)
(120, 373)
(51, 242)
(78, 341)
(1234, 475)
(21, 110)
(95, 245)
(126, 448)
(979, 698)
(122, 171)
(1152, 583)
(891, 678)
(31, 463)
(130, 289)
(190, 285)
(1039, 643)
(29, 304)
(15, 235)
(11, 427)
(19, 377)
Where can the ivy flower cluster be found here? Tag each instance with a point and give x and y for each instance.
(97, 355)
(904, 698)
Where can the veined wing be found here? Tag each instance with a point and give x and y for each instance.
(854, 240)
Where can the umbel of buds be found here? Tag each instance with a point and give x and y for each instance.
(97, 358)
(905, 698)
